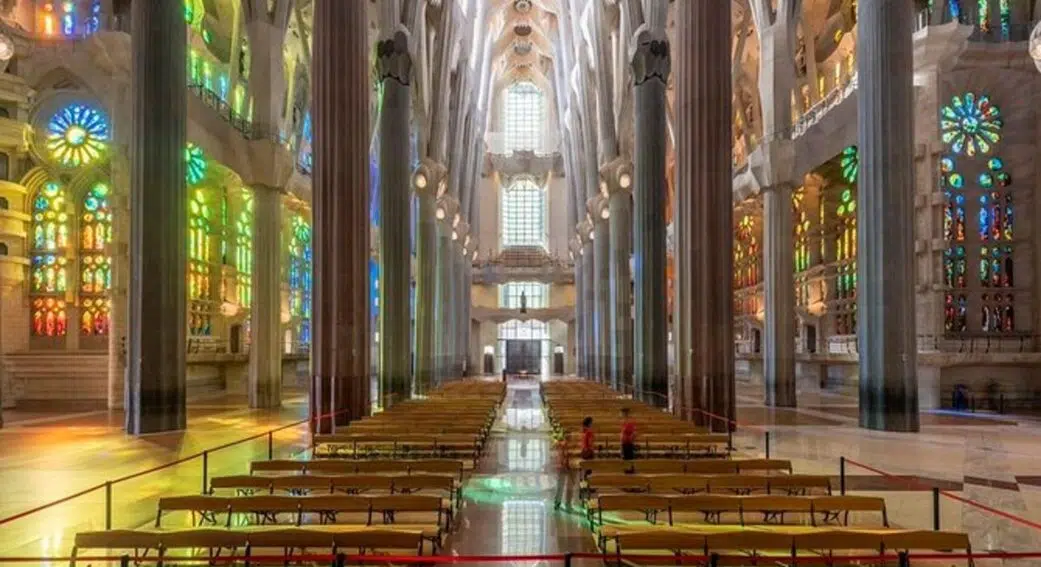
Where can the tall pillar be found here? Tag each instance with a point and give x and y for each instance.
(265, 352)
(340, 107)
(426, 181)
(580, 322)
(585, 229)
(651, 66)
(885, 217)
(621, 230)
(395, 69)
(156, 387)
(705, 215)
(779, 297)
(119, 252)
(445, 307)
(601, 287)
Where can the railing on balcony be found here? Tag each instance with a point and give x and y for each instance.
(978, 344)
(498, 145)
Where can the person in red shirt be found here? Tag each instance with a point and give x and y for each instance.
(565, 475)
(628, 440)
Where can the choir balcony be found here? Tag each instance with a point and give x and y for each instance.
(527, 263)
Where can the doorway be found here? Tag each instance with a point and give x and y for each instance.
(523, 356)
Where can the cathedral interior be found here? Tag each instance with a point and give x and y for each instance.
(812, 218)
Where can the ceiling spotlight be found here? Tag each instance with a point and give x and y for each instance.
(420, 180)
(625, 181)
(605, 213)
(467, 241)
(455, 220)
(465, 253)
(455, 235)
(440, 213)
(592, 235)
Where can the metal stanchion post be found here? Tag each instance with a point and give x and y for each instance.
(903, 560)
(713, 560)
(842, 476)
(936, 508)
(341, 560)
(767, 444)
(108, 505)
(567, 559)
(270, 445)
(205, 470)
(124, 560)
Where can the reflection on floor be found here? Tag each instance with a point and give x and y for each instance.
(508, 503)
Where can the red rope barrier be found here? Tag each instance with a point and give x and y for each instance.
(923, 486)
(163, 466)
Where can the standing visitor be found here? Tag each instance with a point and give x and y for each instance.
(628, 440)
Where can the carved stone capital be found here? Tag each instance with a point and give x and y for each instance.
(393, 60)
(652, 59)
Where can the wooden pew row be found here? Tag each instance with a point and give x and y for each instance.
(736, 484)
(393, 446)
(287, 541)
(299, 485)
(264, 510)
(776, 544)
(679, 445)
(715, 509)
(681, 466)
(345, 466)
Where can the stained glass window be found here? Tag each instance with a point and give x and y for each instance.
(200, 318)
(77, 135)
(95, 262)
(306, 155)
(979, 189)
(747, 253)
(802, 231)
(300, 266)
(69, 18)
(522, 117)
(49, 268)
(850, 163)
(846, 257)
(195, 164)
(244, 250)
(523, 214)
(970, 124)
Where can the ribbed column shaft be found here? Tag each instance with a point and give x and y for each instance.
(580, 321)
(588, 309)
(265, 352)
(395, 321)
(621, 318)
(156, 389)
(118, 314)
(885, 217)
(779, 297)
(650, 75)
(706, 216)
(426, 286)
(602, 300)
(340, 106)
(444, 301)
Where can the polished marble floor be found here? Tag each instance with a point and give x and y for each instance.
(508, 501)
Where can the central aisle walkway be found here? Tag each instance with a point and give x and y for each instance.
(508, 501)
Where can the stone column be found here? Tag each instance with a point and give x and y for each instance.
(426, 181)
(885, 217)
(340, 107)
(651, 66)
(779, 297)
(265, 353)
(621, 230)
(705, 217)
(601, 288)
(580, 323)
(443, 336)
(585, 228)
(119, 252)
(395, 69)
(156, 387)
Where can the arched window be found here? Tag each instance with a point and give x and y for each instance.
(300, 259)
(523, 215)
(244, 250)
(199, 258)
(69, 18)
(522, 117)
(50, 243)
(95, 263)
(977, 186)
